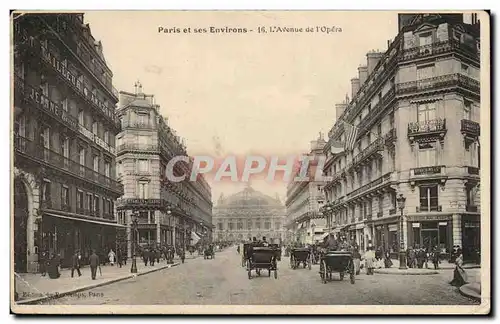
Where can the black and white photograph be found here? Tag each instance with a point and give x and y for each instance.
(250, 162)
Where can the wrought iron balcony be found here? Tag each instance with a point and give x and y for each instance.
(72, 80)
(136, 124)
(31, 149)
(380, 214)
(426, 127)
(436, 49)
(372, 148)
(470, 127)
(142, 203)
(428, 208)
(473, 170)
(392, 211)
(439, 82)
(137, 147)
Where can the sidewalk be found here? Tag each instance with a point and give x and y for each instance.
(444, 265)
(33, 288)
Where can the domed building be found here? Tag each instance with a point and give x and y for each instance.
(249, 213)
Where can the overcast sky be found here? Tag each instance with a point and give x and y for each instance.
(252, 93)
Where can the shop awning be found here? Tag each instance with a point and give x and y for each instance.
(195, 238)
(87, 220)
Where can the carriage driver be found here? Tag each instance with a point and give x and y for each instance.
(264, 242)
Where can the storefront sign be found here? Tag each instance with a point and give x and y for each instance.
(415, 225)
(423, 218)
(472, 225)
(379, 227)
(360, 226)
(393, 227)
(443, 223)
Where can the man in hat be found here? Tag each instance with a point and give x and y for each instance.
(75, 263)
(94, 263)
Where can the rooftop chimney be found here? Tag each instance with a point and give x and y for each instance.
(354, 86)
(372, 60)
(363, 75)
(339, 109)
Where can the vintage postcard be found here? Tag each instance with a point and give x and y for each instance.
(250, 162)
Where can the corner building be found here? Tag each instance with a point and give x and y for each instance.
(417, 110)
(64, 141)
(167, 212)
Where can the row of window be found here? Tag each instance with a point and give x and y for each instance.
(85, 201)
(428, 201)
(239, 226)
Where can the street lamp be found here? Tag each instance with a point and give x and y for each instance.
(402, 254)
(133, 269)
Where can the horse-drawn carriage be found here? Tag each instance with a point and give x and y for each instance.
(336, 261)
(300, 256)
(262, 258)
(209, 252)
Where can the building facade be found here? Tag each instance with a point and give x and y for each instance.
(305, 222)
(416, 108)
(64, 141)
(167, 212)
(249, 214)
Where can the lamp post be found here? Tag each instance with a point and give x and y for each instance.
(133, 269)
(402, 254)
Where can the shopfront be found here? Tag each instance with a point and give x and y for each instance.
(430, 232)
(471, 237)
(64, 235)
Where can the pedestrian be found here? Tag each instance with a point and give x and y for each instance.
(387, 260)
(75, 263)
(111, 257)
(53, 267)
(356, 257)
(43, 263)
(183, 255)
(238, 249)
(119, 257)
(369, 260)
(435, 258)
(145, 256)
(459, 274)
(152, 256)
(158, 255)
(94, 263)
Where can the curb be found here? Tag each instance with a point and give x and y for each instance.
(407, 273)
(468, 291)
(100, 284)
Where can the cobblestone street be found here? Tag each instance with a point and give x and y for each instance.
(223, 281)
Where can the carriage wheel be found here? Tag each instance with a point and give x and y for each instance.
(341, 276)
(275, 274)
(325, 271)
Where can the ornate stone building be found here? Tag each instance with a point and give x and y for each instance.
(64, 141)
(304, 199)
(416, 107)
(248, 214)
(167, 212)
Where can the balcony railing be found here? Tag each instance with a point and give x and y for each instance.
(140, 202)
(128, 124)
(428, 170)
(73, 81)
(428, 208)
(31, 149)
(392, 211)
(42, 102)
(473, 170)
(437, 48)
(137, 147)
(439, 82)
(426, 127)
(380, 214)
(470, 127)
(390, 136)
